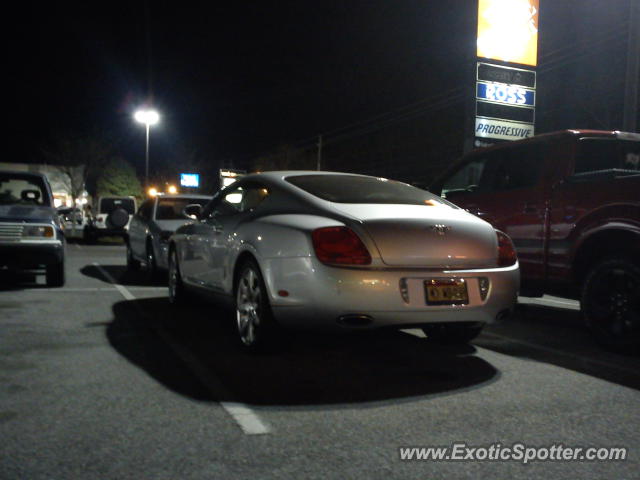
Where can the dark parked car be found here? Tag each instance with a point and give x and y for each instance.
(30, 233)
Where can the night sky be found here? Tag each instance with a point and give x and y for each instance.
(236, 80)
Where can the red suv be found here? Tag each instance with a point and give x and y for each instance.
(570, 201)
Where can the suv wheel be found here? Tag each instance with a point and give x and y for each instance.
(55, 274)
(611, 303)
(117, 219)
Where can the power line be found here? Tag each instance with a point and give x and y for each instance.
(550, 61)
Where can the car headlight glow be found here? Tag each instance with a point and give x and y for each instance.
(38, 231)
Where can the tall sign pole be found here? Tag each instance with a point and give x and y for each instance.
(505, 76)
(319, 160)
(630, 117)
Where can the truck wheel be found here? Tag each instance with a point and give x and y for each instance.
(55, 274)
(452, 333)
(611, 303)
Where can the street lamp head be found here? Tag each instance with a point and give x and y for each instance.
(147, 117)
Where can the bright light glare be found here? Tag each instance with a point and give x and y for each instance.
(147, 117)
(508, 30)
(152, 192)
(234, 198)
(226, 181)
(172, 189)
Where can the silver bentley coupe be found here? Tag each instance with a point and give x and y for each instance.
(306, 249)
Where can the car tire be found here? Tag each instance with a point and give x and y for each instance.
(453, 333)
(55, 274)
(151, 264)
(132, 263)
(177, 292)
(254, 322)
(610, 303)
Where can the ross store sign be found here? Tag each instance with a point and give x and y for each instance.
(509, 94)
(508, 30)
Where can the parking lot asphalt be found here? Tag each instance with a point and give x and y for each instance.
(104, 379)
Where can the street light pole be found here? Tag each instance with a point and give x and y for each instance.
(146, 159)
(148, 118)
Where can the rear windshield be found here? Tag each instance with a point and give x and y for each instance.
(23, 190)
(108, 205)
(356, 189)
(171, 208)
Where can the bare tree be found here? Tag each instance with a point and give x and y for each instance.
(78, 158)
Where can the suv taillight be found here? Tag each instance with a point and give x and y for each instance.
(339, 246)
(506, 252)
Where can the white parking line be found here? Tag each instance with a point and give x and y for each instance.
(548, 301)
(562, 353)
(585, 360)
(94, 289)
(123, 291)
(246, 418)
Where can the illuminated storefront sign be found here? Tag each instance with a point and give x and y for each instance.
(502, 93)
(508, 30)
(503, 130)
(190, 180)
(505, 102)
(505, 83)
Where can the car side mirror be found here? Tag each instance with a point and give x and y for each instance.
(193, 211)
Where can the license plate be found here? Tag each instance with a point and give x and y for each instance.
(446, 291)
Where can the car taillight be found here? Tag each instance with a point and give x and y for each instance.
(339, 246)
(506, 252)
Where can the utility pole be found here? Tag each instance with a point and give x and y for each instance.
(630, 116)
(319, 164)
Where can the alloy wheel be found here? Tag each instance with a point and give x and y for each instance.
(248, 307)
